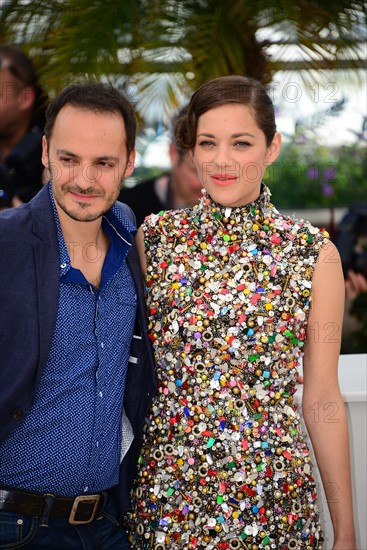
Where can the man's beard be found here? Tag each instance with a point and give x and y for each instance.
(88, 217)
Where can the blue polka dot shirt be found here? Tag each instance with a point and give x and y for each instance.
(70, 441)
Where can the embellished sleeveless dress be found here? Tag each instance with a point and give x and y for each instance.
(224, 463)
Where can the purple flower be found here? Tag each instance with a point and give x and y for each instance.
(313, 173)
(329, 173)
(327, 190)
(301, 138)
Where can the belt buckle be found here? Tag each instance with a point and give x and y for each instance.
(74, 509)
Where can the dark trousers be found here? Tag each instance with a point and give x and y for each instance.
(104, 533)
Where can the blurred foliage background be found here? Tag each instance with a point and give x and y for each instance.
(314, 176)
(159, 51)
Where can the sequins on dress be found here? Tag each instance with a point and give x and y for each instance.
(224, 463)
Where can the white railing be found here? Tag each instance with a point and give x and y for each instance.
(353, 385)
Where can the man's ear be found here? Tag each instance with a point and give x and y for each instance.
(44, 152)
(130, 165)
(27, 98)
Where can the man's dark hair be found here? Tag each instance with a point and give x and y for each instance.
(174, 121)
(19, 64)
(22, 68)
(97, 97)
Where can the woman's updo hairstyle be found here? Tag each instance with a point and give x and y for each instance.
(221, 91)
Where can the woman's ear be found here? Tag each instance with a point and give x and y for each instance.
(274, 148)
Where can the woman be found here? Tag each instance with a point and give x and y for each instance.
(230, 284)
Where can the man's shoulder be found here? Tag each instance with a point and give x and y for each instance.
(19, 221)
(14, 217)
(143, 199)
(127, 211)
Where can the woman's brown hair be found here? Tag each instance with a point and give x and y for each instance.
(221, 91)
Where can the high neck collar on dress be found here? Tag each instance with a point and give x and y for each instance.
(260, 206)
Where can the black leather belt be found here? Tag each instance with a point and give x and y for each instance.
(79, 510)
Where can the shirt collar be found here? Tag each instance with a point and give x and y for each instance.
(116, 220)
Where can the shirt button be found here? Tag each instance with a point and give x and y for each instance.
(17, 414)
(100, 394)
(102, 345)
(63, 266)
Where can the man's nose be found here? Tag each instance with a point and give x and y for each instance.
(86, 174)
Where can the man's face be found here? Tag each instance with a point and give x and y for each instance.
(11, 103)
(185, 176)
(87, 159)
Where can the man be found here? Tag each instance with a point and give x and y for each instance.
(178, 189)
(71, 294)
(22, 104)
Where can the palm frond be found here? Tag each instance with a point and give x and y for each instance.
(165, 48)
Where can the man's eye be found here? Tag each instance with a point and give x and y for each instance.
(67, 160)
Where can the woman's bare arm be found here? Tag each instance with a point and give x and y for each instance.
(322, 404)
(139, 240)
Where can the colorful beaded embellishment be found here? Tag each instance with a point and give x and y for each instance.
(224, 464)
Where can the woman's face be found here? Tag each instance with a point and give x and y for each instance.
(231, 154)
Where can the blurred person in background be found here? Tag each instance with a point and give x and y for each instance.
(180, 188)
(351, 241)
(22, 104)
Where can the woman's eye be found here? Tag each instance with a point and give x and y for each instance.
(206, 143)
(242, 144)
